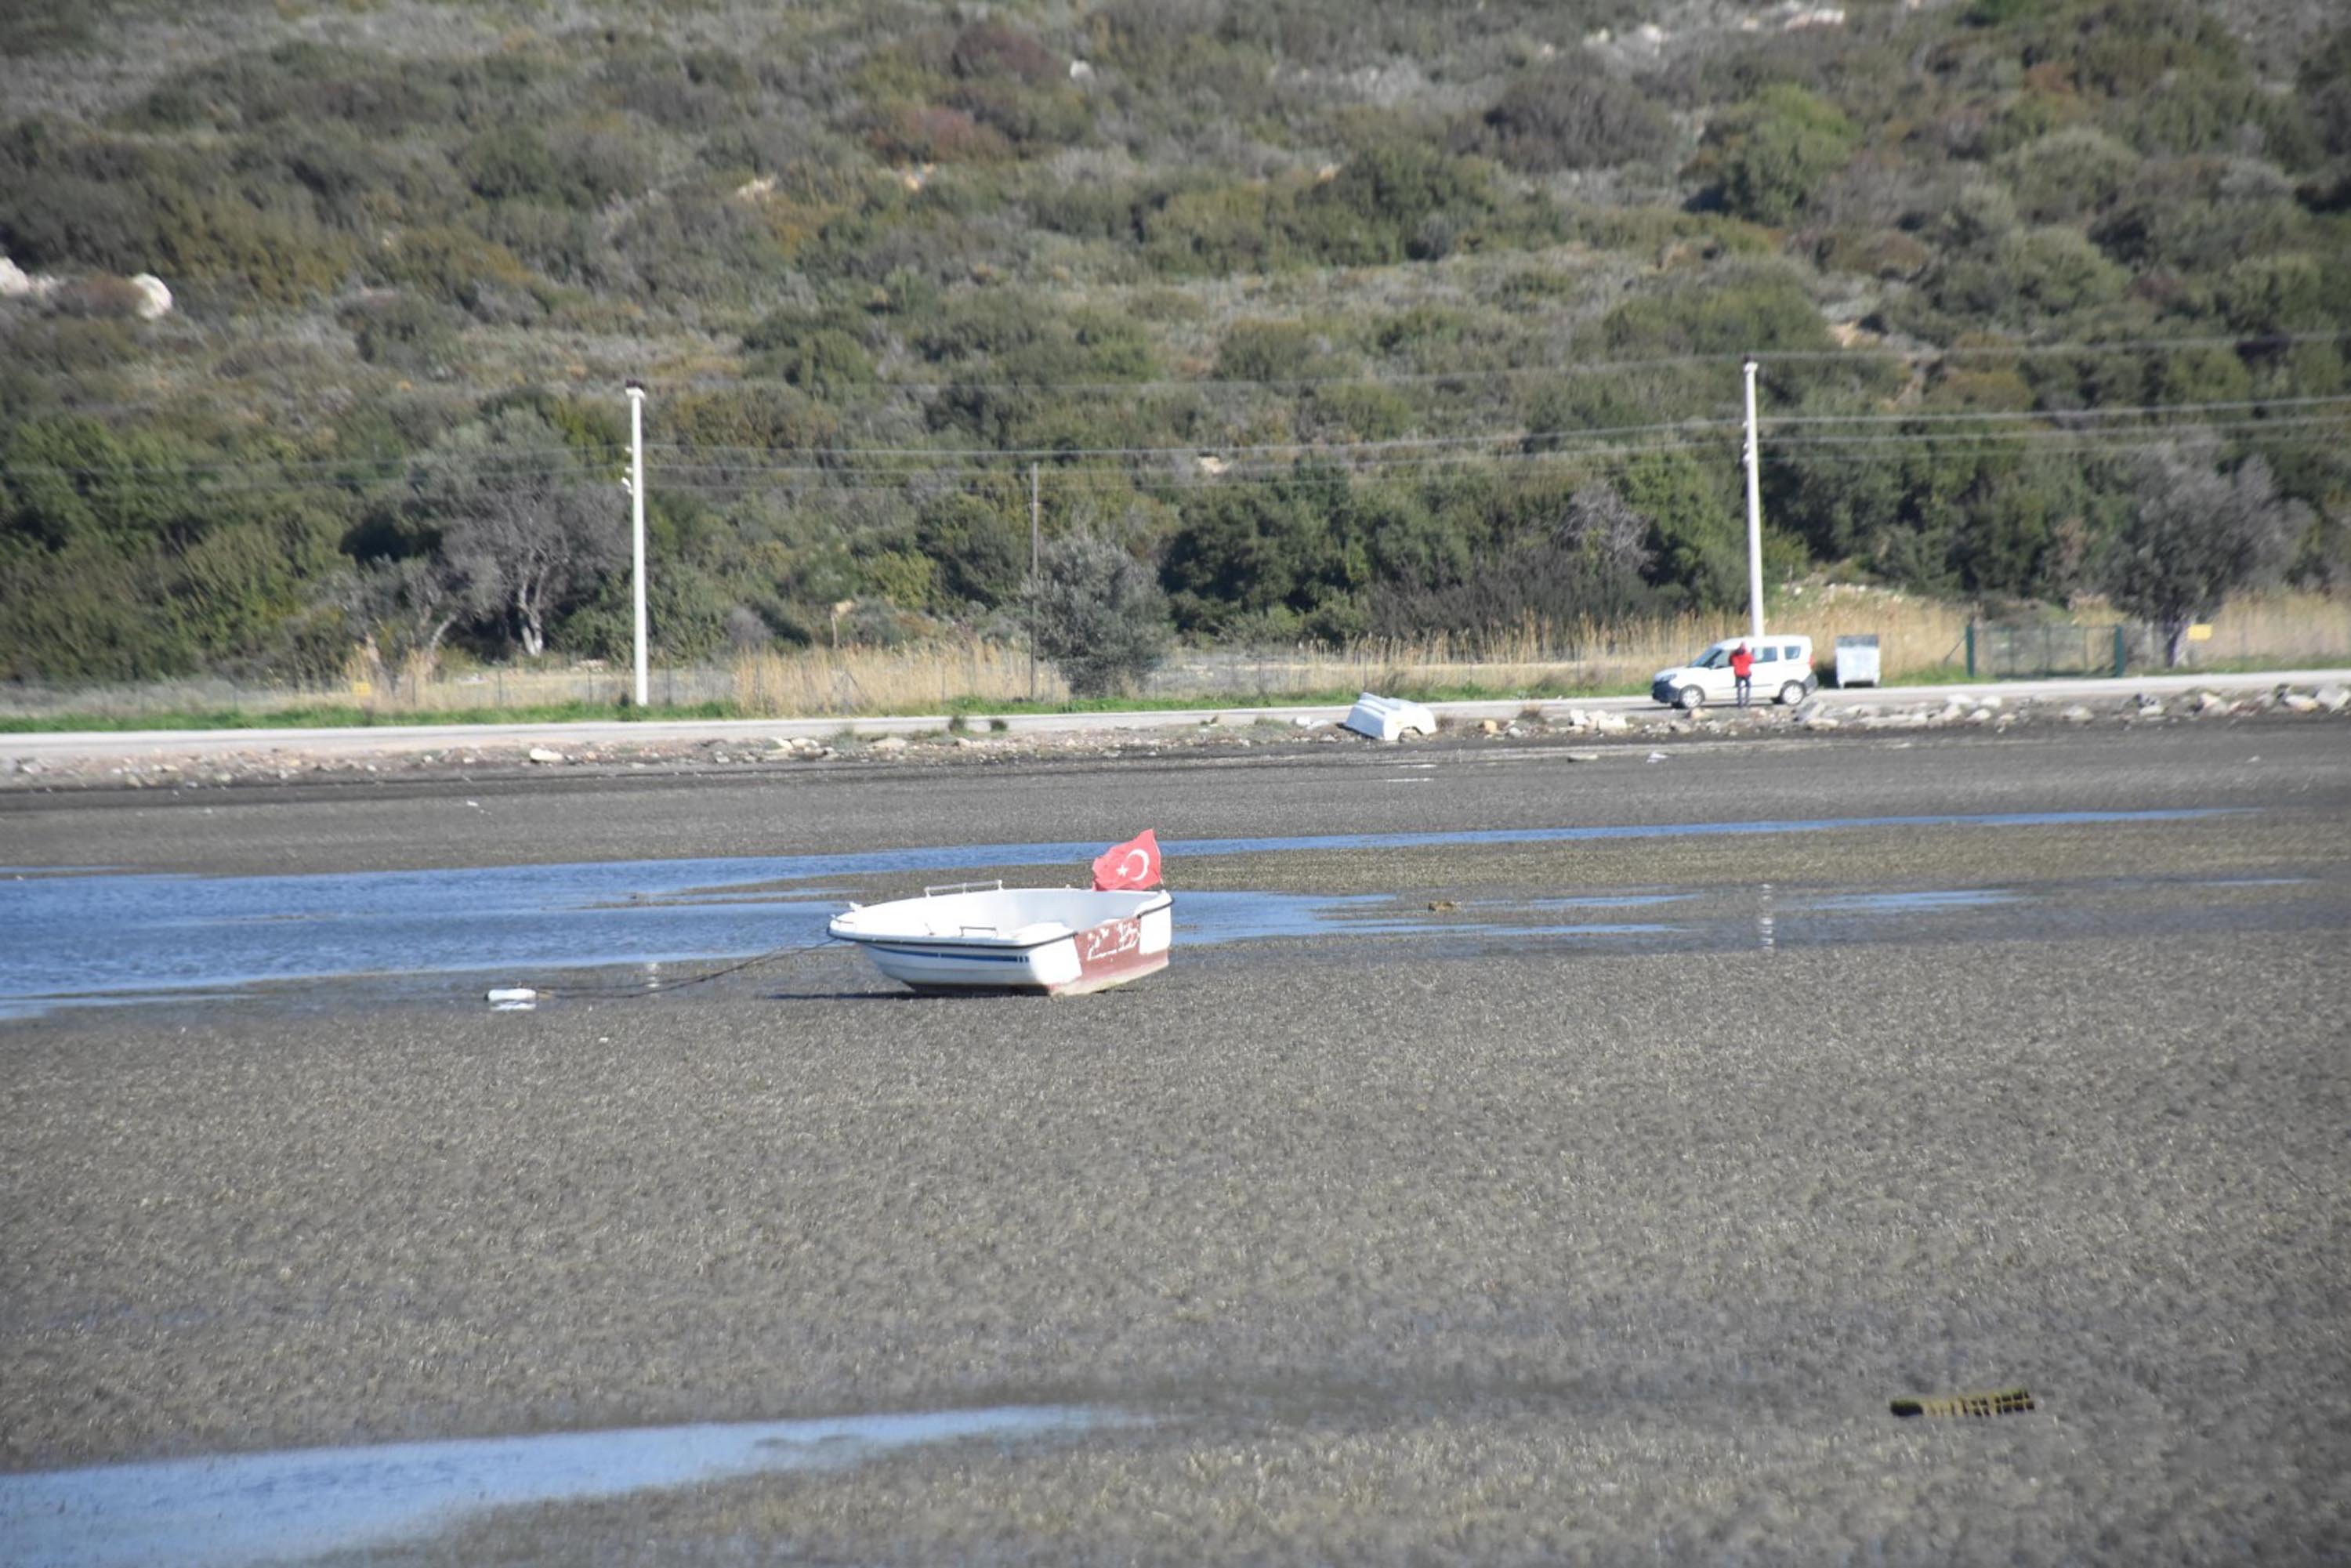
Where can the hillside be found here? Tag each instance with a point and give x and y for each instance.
(1347, 316)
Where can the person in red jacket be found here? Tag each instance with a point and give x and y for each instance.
(1742, 671)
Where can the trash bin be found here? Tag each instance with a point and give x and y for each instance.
(1856, 661)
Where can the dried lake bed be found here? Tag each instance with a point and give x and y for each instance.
(1544, 1160)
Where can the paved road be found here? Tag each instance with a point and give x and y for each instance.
(1493, 1242)
(375, 740)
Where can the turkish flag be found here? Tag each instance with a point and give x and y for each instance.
(1135, 864)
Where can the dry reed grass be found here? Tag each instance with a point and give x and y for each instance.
(914, 678)
(1918, 638)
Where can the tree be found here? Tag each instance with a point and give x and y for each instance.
(1100, 616)
(520, 529)
(2198, 535)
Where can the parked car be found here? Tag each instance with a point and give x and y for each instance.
(1783, 674)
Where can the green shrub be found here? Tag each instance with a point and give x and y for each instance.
(1575, 116)
(1768, 156)
(406, 332)
(981, 549)
(1359, 410)
(2069, 174)
(1267, 351)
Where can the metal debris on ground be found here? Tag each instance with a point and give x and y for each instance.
(2003, 1402)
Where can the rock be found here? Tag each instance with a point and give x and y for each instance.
(1820, 721)
(15, 283)
(2211, 701)
(1610, 723)
(1489, 727)
(2077, 713)
(1991, 701)
(2333, 699)
(891, 743)
(2298, 702)
(2150, 708)
(1982, 715)
(541, 754)
(154, 299)
(1583, 757)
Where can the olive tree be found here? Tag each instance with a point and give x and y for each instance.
(1100, 616)
(2197, 534)
(523, 534)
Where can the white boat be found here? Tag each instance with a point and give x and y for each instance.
(1063, 941)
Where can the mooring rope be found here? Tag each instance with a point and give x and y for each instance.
(527, 995)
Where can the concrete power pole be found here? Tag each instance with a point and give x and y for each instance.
(637, 522)
(1754, 519)
(1035, 533)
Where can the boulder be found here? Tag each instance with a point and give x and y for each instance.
(2298, 702)
(2077, 713)
(2333, 699)
(892, 743)
(542, 755)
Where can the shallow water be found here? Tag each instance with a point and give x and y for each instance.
(70, 937)
(247, 1508)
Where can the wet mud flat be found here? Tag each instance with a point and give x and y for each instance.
(1472, 1240)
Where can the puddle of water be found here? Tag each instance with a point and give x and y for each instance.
(139, 936)
(1916, 903)
(1603, 901)
(247, 1508)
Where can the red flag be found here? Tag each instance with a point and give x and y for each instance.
(1135, 864)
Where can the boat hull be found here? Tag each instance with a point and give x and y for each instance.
(1053, 941)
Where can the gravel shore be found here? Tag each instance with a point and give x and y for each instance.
(1413, 1250)
(387, 756)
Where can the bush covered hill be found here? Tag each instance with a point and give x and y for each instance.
(1345, 317)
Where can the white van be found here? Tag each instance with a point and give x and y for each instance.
(1783, 674)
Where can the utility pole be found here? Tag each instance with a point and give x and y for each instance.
(637, 522)
(1754, 519)
(1035, 534)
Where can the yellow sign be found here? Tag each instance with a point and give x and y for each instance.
(2200, 633)
(363, 688)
